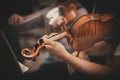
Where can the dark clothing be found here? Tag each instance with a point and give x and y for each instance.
(102, 6)
(50, 71)
(9, 67)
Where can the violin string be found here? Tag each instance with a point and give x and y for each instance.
(56, 34)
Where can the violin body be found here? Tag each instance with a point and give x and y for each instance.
(88, 29)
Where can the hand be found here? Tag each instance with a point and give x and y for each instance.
(55, 47)
(15, 19)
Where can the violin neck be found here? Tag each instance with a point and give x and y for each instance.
(58, 36)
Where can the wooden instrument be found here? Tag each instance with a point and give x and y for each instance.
(81, 34)
(88, 29)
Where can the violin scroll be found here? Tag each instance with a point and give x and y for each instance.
(26, 52)
(32, 53)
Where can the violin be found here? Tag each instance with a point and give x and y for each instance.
(82, 33)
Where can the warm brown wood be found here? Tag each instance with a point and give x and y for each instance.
(82, 34)
(88, 29)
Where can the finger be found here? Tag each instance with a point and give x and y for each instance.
(16, 19)
(48, 47)
(41, 39)
(20, 20)
(52, 34)
(49, 42)
(45, 36)
(75, 53)
(81, 55)
(12, 21)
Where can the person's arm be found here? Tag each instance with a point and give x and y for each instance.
(81, 65)
(101, 48)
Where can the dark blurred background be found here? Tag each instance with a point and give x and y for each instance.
(26, 7)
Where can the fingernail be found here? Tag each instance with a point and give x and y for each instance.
(41, 41)
(44, 47)
(36, 46)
